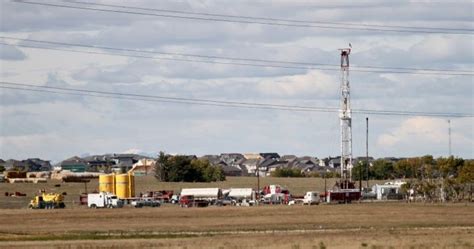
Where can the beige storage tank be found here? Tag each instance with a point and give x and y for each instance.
(107, 183)
(125, 186)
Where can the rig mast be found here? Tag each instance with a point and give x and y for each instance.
(345, 115)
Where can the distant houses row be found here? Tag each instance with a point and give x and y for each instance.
(232, 164)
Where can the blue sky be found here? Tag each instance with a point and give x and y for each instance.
(59, 126)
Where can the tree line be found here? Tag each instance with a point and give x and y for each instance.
(181, 168)
(443, 178)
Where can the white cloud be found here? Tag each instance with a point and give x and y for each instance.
(428, 136)
(313, 83)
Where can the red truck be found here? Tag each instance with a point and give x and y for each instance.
(190, 201)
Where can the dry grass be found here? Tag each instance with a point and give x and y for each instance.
(371, 224)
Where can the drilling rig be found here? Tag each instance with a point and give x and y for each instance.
(345, 116)
(344, 191)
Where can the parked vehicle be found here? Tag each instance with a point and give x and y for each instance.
(174, 199)
(103, 200)
(190, 201)
(210, 194)
(311, 198)
(145, 202)
(47, 201)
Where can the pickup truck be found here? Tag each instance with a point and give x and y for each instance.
(146, 202)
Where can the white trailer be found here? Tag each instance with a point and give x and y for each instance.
(242, 193)
(203, 193)
(103, 200)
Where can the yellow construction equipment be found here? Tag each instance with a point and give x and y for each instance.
(47, 201)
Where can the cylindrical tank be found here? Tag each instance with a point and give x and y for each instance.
(122, 186)
(107, 183)
(131, 184)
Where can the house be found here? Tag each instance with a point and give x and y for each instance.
(335, 162)
(264, 166)
(271, 155)
(212, 159)
(250, 166)
(249, 156)
(230, 170)
(99, 163)
(123, 162)
(143, 167)
(29, 165)
(36, 164)
(74, 164)
(289, 158)
(304, 162)
(277, 165)
(232, 158)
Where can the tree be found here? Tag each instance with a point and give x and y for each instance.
(449, 167)
(382, 170)
(357, 169)
(404, 169)
(2, 168)
(182, 168)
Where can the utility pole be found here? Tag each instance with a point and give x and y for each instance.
(258, 181)
(345, 116)
(449, 136)
(367, 150)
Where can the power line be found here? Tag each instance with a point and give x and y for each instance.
(269, 19)
(226, 58)
(208, 102)
(461, 73)
(301, 25)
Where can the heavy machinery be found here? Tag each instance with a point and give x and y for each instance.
(47, 201)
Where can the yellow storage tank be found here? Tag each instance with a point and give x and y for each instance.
(131, 184)
(122, 186)
(107, 183)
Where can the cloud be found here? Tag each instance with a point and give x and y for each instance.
(313, 83)
(105, 75)
(423, 135)
(12, 53)
(443, 49)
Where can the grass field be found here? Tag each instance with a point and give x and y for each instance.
(371, 225)
(365, 225)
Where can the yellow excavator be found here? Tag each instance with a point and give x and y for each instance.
(47, 201)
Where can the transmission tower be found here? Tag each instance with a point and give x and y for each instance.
(345, 116)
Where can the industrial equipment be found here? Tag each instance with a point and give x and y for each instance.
(47, 201)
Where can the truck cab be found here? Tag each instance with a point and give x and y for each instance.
(311, 198)
(103, 200)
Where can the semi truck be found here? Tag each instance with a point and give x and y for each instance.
(103, 200)
(200, 197)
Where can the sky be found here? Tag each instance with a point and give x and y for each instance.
(56, 127)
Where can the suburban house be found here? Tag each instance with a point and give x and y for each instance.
(250, 166)
(144, 166)
(75, 164)
(29, 165)
(123, 162)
